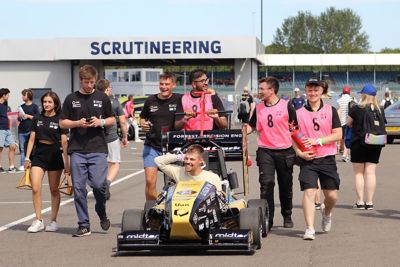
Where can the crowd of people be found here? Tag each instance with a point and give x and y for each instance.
(90, 119)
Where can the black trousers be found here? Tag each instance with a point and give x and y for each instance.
(270, 161)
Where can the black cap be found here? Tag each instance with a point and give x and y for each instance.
(313, 81)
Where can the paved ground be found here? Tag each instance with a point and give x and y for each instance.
(358, 238)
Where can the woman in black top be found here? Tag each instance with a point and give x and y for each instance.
(364, 159)
(46, 136)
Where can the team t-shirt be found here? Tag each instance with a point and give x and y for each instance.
(77, 106)
(111, 132)
(47, 128)
(272, 122)
(4, 117)
(161, 113)
(26, 124)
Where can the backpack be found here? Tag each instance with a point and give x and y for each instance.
(387, 103)
(373, 132)
(244, 108)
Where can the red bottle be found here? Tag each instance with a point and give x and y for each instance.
(297, 136)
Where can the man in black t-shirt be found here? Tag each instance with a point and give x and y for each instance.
(6, 137)
(86, 112)
(157, 117)
(26, 113)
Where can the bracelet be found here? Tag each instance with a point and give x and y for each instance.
(320, 141)
(27, 159)
(102, 123)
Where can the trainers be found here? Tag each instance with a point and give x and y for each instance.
(105, 223)
(52, 227)
(12, 170)
(326, 223)
(138, 140)
(108, 194)
(317, 206)
(37, 226)
(345, 159)
(287, 222)
(309, 234)
(2, 170)
(357, 206)
(369, 206)
(82, 231)
(21, 168)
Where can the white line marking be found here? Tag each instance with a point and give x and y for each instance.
(63, 203)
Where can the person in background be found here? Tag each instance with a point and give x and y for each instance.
(129, 111)
(86, 112)
(191, 105)
(6, 137)
(157, 117)
(364, 159)
(321, 125)
(113, 143)
(298, 100)
(26, 113)
(343, 110)
(47, 138)
(387, 100)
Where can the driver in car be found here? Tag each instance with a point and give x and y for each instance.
(193, 166)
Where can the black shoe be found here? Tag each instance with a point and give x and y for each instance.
(270, 224)
(82, 231)
(2, 170)
(108, 194)
(318, 206)
(358, 206)
(369, 206)
(287, 222)
(105, 224)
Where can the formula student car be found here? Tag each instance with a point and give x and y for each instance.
(193, 215)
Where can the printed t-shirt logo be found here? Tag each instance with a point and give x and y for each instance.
(39, 123)
(53, 125)
(153, 108)
(76, 104)
(172, 107)
(97, 103)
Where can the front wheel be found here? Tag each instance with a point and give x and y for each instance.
(261, 203)
(250, 218)
(132, 220)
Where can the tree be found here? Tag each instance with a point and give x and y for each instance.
(334, 31)
(387, 50)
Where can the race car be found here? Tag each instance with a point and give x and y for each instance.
(193, 215)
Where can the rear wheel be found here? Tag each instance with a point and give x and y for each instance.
(250, 218)
(131, 132)
(261, 203)
(132, 220)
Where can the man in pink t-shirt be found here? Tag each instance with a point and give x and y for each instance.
(275, 153)
(320, 124)
(129, 111)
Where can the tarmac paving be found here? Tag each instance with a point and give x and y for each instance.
(358, 237)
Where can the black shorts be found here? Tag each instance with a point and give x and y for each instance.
(47, 157)
(362, 154)
(327, 174)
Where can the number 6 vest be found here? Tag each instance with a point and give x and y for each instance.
(316, 125)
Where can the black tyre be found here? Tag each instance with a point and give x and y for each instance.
(263, 204)
(132, 220)
(250, 218)
(390, 139)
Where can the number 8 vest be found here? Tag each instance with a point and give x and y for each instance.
(192, 103)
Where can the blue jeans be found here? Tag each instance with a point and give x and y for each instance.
(90, 168)
(23, 139)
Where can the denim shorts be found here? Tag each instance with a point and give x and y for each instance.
(149, 154)
(6, 138)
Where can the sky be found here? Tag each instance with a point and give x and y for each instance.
(47, 19)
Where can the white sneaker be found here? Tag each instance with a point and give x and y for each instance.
(37, 226)
(21, 168)
(52, 227)
(309, 234)
(138, 140)
(326, 223)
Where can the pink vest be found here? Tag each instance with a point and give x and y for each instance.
(316, 125)
(190, 103)
(273, 126)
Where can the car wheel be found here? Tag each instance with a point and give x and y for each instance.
(149, 204)
(250, 218)
(262, 203)
(131, 132)
(132, 220)
(390, 139)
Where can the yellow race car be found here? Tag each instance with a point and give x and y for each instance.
(193, 215)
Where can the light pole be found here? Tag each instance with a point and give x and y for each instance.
(261, 21)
